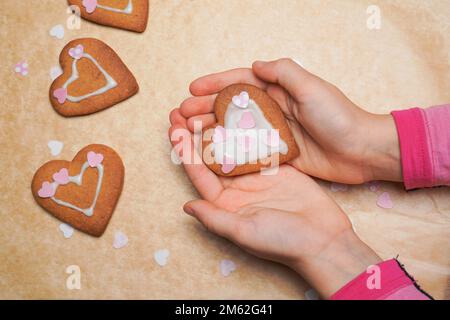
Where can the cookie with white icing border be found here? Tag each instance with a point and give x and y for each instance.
(130, 15)
(94, 78)
(83, 192)
(251, 133)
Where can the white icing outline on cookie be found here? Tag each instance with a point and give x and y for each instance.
(230, 152)
(111, 83)
(128, 9)
(78, 180)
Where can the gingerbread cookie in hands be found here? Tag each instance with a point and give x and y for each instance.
(251, 133)
(94, 78)
(83, 192)
(124, 14)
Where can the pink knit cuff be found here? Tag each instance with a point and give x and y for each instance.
(414, 147)
(393, 284)
(437, 123)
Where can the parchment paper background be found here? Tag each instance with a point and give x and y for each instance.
(404, 64)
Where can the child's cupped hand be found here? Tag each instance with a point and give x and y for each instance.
(285, 217)
(338, 141)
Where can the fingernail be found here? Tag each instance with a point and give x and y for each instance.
(188, 210)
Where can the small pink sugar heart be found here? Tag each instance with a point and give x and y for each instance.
(336, 187)
(374, 186)
(77, 52)
(228, 165)
(247, 121)
(47, 190)
(60, 94)
(241, 100)
(94, 159)
(384, 201)
(61, 177)
(271, 138)
(90, 5)
(220, 134)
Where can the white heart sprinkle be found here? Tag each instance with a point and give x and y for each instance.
(312, 294)
(57, 31)
(66, 230)
(227, 267)
(120, 240)
(336, 187)
(161, 257)
(55, 147)
(55, 72)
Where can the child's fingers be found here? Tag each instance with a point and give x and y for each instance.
(203, 179)
(214, 83)
(194, 106)
(286, 73)
(176, 118)
(216, 220)
(201, 121)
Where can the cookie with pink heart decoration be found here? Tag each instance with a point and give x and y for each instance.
(130, 15)
(251, 133)
(83, 192)
(94, 78)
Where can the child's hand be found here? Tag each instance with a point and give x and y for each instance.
(338, 140)
(284, 217)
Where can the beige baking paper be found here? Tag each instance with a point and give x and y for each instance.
(404, 63)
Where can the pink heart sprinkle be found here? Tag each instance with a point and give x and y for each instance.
(21, 68)
(336, 187)
(47, 190)
(60, 94)
(228, 165)
(220, 134)
(90, 5)
(272, 138)
(374, 186)
(61, 177)
(241, 100)
(94, 159)
(77, 52)
(384, 201)
(247, 121)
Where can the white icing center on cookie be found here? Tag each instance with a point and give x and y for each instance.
(78, 179)
(246, 136)
(110, 82)
(127, 10)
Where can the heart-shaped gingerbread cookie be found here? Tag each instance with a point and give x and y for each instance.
(251, 133)
(83, 192)
(124, 14)
(94, 78)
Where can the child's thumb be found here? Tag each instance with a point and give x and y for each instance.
(285, 72)
(215, 219)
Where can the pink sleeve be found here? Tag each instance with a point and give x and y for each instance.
(385, 281)
(424, 136)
